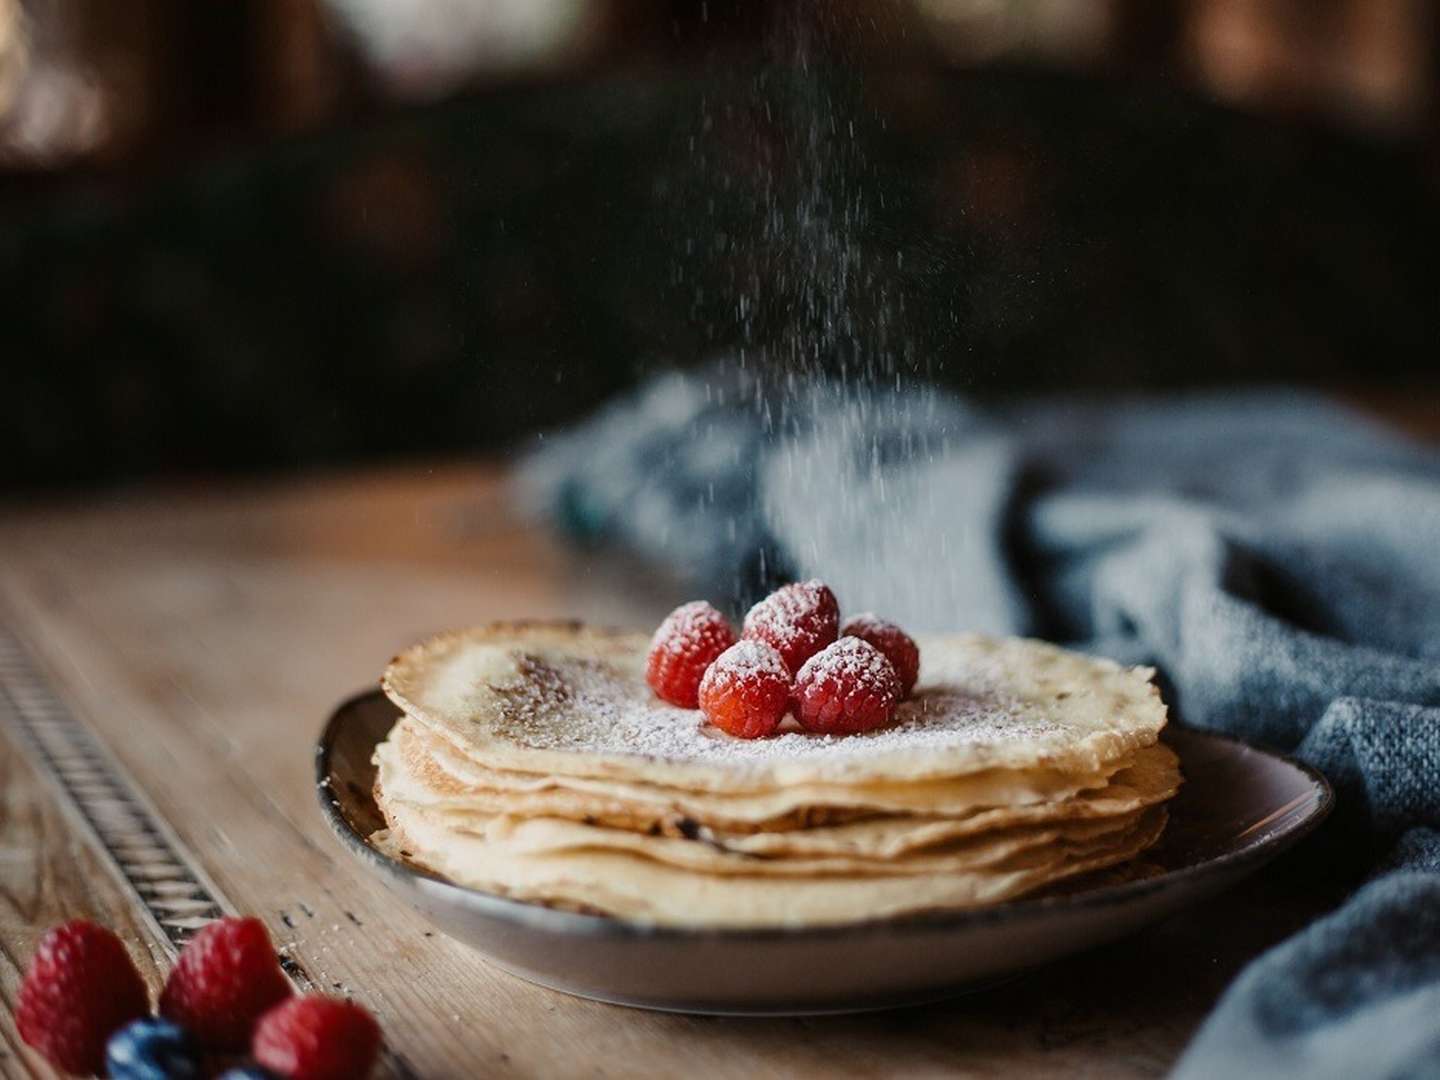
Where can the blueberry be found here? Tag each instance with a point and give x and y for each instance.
(247, 1072)
(152, 1049)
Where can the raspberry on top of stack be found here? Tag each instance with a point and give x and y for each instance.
(806, 772)
(792, 657)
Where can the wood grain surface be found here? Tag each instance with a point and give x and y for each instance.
(205, 633)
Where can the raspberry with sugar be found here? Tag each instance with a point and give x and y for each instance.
(317, 1038)
(846, 688)
(684, 645)
(798, 620)
(747, 690)
(899, 647)
(227, 977)
(81, 987)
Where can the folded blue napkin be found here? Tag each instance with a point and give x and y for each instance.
(1276, 556)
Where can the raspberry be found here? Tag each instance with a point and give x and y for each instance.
(81, 986)
(799, 620)
(151, 1048)
(227, 977)
(317, 1038)
(899, 647)
(847, 688)
(687, 641)
(747, 690)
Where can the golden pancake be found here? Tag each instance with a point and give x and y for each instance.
(788, 822)
(568, 700)
(532, 760)
(447, 774)
(529, 836)
(641, 889)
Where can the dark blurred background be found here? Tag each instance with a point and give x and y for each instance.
(257, 235)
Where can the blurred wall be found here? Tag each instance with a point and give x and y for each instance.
(276, 233)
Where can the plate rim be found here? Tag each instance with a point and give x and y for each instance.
(539, 917)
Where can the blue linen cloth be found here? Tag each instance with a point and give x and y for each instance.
(1276, 556)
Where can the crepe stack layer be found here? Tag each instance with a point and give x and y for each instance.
(533, 761)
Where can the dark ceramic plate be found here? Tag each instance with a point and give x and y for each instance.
(1240, 808)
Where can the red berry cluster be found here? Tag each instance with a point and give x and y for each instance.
(226, 992)
(792, 656)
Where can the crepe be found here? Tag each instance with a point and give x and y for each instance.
(447, 777)
(540, 835)
(569, 700)
(532, 760)
(641, 889)
(406, 771)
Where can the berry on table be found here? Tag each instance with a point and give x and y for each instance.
(899, 647)
(80, 988)
(317, 1038)
(152, 1049)
(691, 636)
(747, 690)
(227, 977)
(798, 620)
(846, 688)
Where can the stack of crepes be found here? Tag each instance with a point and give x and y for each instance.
(532, 760)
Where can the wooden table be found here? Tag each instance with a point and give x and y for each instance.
(203, 634)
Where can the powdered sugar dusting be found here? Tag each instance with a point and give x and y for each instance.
(697, 621)
(797, 619)
(847, 688)
(684, 645)
(852, 660)
(746, 660)
(593, 706)
(899, 647)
